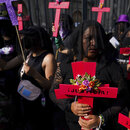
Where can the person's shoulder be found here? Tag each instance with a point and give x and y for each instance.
(49, 60)
(49, 57)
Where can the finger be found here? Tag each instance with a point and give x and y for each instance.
(83, 113)
(83, 123)
(84, 105)
(85, 109)
(89, 117)
(25, 63)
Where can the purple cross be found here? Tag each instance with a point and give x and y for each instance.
(11, 11)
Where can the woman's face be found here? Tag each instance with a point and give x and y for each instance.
(128, 34)
(121, 28)
(89, 42)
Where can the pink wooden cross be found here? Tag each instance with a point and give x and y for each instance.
(11, 11)
(126, 51)
(100, 10)
(124, 120)
(58, 6)
(20, 19)
(69, 91)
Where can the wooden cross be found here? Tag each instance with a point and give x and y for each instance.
(20, 19)
(126, 51)
(100, 10)
(86, 97)
(58, 5)
(124, 120)
(11, 11)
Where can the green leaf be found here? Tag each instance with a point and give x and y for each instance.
(72, 81)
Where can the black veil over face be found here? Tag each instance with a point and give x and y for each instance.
(36, 38)
(120, 28)
(98, 33)
(67, 22)
(125, 40)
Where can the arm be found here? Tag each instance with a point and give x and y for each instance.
(120, 102)
(63, 104)
(115, 76)
(66, 104)
(49, 66)
(16, 61)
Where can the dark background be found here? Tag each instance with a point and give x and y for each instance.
(79, 9)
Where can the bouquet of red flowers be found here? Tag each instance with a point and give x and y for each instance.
(86, 82)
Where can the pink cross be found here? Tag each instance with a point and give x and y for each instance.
(100, 10)
(69, 91)
(11, 11)
(126, 51)
(20, 19)
(58, 5)
(124, 120)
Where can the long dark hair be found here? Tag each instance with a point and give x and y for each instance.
(125, 41)
(8, 30)
(68, 22)
(36, 38)
(77, 38)
(120, 27)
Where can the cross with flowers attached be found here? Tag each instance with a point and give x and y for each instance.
(58, 5)
(85, 97)
(100, 10)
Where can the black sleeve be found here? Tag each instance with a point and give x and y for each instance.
(117, 77)
(124, 67)
(63, 104)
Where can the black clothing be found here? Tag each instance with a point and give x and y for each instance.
(106, 72)
(66, 44)
(36, 116)
(8, 93)
(124, 60)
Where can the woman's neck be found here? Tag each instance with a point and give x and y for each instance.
(34, 54)
(89, 59)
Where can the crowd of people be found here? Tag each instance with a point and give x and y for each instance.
(46, 63)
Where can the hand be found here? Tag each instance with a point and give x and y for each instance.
(28, 70)
(92, 122)
(53, 27)
(128, 67)
(80, 109)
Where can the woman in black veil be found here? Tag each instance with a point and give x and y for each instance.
(90, 44)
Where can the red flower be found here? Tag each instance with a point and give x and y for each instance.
(82, 87)
(91, 84)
